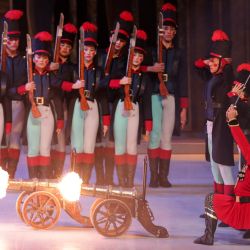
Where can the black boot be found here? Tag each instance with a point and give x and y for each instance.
(130, 175)
(246, 235)
(33, 172)
(12, 165)
(58, 169)
(86, 172)
(121, 174)
(109, 169)
(44, 172)
(163, 173)
(77, 168)
(99, 170)
(208, 237)
(153, 164)
(4, 159)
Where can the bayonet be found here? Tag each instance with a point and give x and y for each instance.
(111, 49)
(59, 32)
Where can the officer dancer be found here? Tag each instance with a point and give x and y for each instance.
(233, 210)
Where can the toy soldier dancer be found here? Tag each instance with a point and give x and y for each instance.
(5, 117)
(126, 121)
(219, 82)
(66, 72)
(17, 74)
(169, 107)
(115, 68)
(42, 123)
(233, 210)
(83, 110)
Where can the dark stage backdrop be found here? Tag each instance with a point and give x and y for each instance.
(197, 19)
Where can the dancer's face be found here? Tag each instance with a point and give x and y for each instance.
(214, 64)
(169, 33)
(65, 49)
(89, 53)
(41, 61)
(13, 44)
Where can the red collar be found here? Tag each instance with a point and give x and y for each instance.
(41, 74)
(136, 71)
(91, 66)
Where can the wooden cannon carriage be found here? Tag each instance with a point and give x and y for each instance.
(40, 203)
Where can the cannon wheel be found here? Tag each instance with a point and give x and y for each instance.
(19, 203)
(111, 217)
(93, 206)
(41, 210)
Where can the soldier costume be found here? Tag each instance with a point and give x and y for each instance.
(167, 110)
(105, 150)
(233, 210)
(17, 74)
(66, 72)
(126, 122)
(220, 141)
(5, 118)
(83, 125)
(40, 130)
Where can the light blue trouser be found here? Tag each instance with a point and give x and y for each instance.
(40, 131)
(18, 115)
(126, 129)
(163, 111)
(84, 128)
(222, 174)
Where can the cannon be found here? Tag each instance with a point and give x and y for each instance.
(40, 203)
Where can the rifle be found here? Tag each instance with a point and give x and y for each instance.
(83, 100)
(35, 112)
(127, 101)
(59, 31)
(111, 50)
(162, 86)
(3, 47)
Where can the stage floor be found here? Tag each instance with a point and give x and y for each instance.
(177, 209)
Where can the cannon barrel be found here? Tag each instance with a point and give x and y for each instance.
(109, 191)
(32, 185)
(86, 189)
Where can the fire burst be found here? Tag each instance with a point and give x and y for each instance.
(4, 181)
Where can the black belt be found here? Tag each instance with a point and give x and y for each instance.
(242, 199)
(89, 95)
(40, 100)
